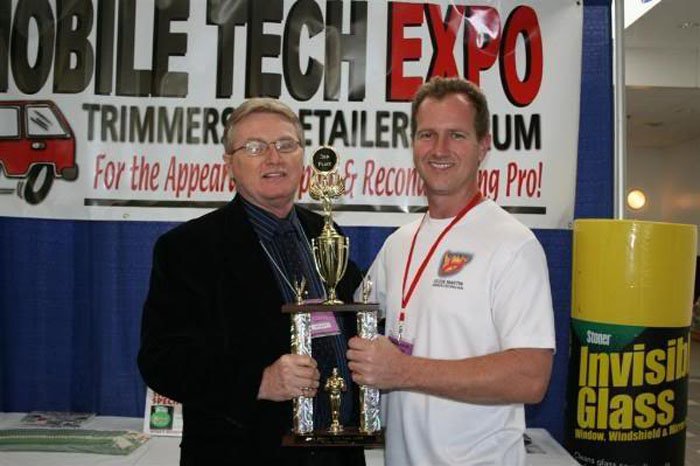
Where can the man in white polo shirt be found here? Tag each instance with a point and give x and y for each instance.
(469, 321)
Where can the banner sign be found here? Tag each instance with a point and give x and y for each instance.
(115, 109)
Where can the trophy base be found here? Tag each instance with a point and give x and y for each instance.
(349, 437)
(322, 307)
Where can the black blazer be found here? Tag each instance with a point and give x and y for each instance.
(211, 324)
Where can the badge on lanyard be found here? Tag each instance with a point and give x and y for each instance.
(399, 340)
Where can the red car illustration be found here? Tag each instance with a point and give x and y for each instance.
(36, 145)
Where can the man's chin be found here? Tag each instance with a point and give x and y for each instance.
(277, 200)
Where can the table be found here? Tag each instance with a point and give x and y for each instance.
(162, 451)
(158, 451)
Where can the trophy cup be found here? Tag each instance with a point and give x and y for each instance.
(330, 250)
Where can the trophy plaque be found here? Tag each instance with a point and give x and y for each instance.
(330, 251)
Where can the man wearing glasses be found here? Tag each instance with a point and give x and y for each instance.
(213, 335)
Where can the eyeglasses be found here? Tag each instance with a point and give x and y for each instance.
(256, 147)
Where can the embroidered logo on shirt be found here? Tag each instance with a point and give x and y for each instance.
(453, 262)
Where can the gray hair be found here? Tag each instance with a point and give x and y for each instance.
(260, 105)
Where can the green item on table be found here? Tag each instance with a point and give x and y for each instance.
(105, 442)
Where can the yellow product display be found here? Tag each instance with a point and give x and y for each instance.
(632, 291)
(644, 271)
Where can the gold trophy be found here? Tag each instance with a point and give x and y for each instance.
(330, 248)
(331, 252)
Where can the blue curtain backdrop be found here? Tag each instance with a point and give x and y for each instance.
(71, 291)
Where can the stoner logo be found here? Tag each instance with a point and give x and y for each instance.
(453, 262)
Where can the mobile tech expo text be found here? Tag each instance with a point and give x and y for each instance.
(85, 47)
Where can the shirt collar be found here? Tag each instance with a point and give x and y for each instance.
(265, 223)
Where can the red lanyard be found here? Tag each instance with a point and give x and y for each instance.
(406, 297)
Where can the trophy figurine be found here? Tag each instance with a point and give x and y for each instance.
(330, 248)
(334, 385)
(330, 251)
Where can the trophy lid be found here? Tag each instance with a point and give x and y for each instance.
(324, 159)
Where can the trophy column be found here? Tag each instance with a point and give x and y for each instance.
(369, 396)
(301, 344)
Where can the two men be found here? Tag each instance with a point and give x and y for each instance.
(469, 320)
(213, 334)
(468, 308)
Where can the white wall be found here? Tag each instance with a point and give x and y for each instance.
(670, 177)
(667, 67)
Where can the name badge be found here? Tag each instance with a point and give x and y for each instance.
(323, 324)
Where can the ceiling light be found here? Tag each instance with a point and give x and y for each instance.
(636, 199)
